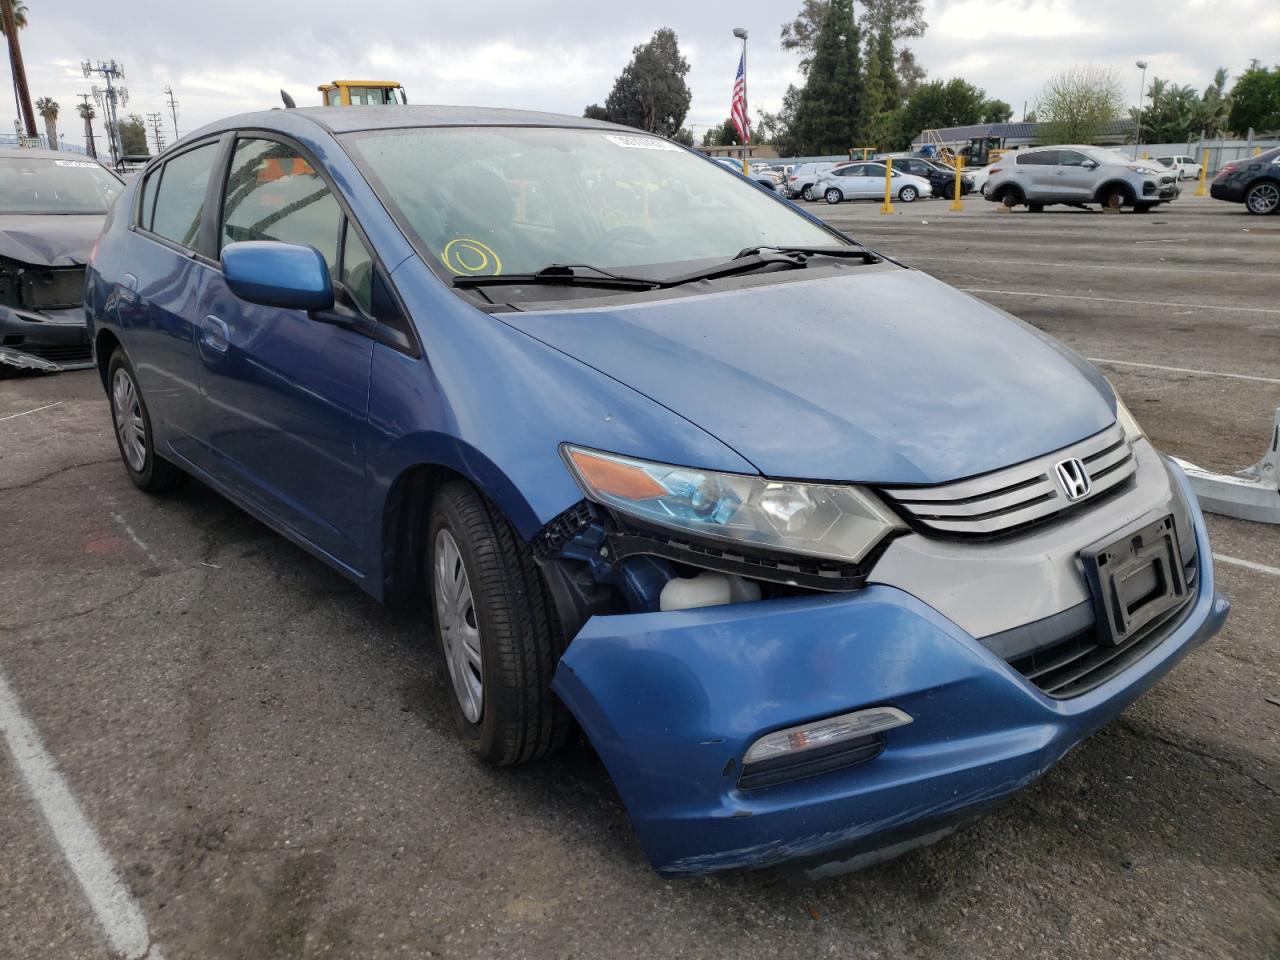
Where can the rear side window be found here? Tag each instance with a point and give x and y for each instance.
(1041, 158)
(273, 193)
(179, 199)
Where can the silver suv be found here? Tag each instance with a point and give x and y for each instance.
(1078, 175)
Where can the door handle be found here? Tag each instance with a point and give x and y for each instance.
(214, 334)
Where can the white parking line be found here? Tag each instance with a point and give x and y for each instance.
(121, 917)
(135, 538)
(27, 413)
(1144, 303)
(1248, 565)
(1198, 373)
(1184, 269)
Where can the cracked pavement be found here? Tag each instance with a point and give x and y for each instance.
(269, 758)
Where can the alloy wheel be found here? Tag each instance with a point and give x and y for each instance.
(459, 626)
(1264, 198)
(127, 410)
(833, 196)
(908, 195)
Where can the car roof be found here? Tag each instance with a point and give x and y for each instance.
(11, 153)
(351, 119)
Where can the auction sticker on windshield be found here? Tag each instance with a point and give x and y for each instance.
(640, 143)
(74, 163)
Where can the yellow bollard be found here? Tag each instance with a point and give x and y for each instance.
(888, 186)
(1145, 155)
(1204, 175)
(957, 203)
(1257, 151)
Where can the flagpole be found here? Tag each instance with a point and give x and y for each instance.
(741, 33)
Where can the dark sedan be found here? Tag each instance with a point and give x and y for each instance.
(940, 177)
(52, 205)
(1253, 181)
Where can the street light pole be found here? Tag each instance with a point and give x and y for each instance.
(741, 34)
(1142, 96)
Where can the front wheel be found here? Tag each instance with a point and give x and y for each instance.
(497, 629)
(1262, 198)
(833, 195)
(1114, 199)
(134, 437)
(908, 194)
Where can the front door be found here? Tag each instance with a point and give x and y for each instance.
(286, 397)
(1075, 177)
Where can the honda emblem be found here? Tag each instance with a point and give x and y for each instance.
(1074, 478)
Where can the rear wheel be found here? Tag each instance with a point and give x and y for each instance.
(833, 195)
(1010, 197)
(807, 193)
(908, 194)
(132, 423)
(1262, 198)
(496, 627)
(1036, 207)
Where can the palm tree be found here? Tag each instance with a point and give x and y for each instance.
(19, 15)
(87, 113)
(48, 108)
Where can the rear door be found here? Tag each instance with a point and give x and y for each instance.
(166, 250)
(1037, 174)
(285, 395)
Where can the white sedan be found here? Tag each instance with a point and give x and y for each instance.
(864, 180)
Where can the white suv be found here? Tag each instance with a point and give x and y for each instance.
(1078, 175)
(1183, 167)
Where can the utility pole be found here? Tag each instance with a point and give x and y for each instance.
(107, 98)
(155, 120)
(19, 71)
(88, 125)
(173, 110)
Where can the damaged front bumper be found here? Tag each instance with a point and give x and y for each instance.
(47, 340)
(672, 701)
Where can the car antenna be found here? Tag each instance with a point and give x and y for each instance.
(288, 100)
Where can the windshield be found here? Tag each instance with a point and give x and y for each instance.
(39, 185)
(486, 201)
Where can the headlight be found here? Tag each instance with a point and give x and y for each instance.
(823, 520)
(1123, 417)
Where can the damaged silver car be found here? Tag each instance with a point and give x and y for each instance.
(52, 206)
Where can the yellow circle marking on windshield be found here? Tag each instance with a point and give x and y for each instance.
(467, 257)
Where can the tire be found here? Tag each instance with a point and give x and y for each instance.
(1036, 207)
(497, 628)
(807, 193)
(908, 194)
(1010, 197)
(1262, 197)
(131, 423)
(1144, 207)
(833, 195)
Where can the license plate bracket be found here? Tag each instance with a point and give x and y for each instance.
(1135, 577)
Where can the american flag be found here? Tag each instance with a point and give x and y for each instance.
(738, 112)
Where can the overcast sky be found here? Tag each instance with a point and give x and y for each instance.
(229, 56)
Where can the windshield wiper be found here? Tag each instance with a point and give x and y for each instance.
(560, 274)
(861, 253)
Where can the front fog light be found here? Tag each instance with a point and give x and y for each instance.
(818, 747)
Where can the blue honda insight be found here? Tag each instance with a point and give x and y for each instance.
(824, 557)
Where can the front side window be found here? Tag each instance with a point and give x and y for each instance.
(1069, 158)
(273, 193)
(179, 200)
(494, 200)
(37, 185)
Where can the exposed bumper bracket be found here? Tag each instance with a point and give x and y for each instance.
(1252, 494)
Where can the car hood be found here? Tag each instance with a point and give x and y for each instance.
(882, 375)
(50, 240)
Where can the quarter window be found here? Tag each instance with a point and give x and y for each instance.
(179, 198)
(149, 198)
(357, 271)
(273, 193)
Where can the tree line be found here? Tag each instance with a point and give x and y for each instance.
(862, 86)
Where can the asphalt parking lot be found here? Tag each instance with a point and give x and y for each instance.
(268, 757)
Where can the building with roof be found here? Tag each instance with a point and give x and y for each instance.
(1019, 134)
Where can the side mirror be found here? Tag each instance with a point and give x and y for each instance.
(277, 274)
